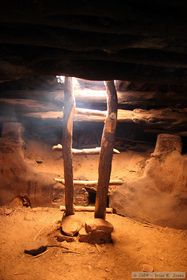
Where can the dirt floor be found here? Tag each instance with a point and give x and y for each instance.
(135, 244)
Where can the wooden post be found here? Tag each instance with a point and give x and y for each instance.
(69, 107)
(107, 143)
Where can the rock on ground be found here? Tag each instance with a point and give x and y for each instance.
(71, 225)
(96, 231)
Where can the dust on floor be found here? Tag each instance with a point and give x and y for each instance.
(135, 244)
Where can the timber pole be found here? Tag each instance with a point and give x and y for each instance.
(69, 107)
(107, 144)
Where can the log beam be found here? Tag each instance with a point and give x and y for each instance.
(107, 143)
(89, 112)
(69, 106)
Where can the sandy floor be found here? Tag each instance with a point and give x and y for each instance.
(135, 244)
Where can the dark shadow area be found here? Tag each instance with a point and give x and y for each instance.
(92, 197)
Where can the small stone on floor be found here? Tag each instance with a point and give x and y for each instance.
(96, 231)
(71, 225)
(99, 224)
(61, 238)
(147, 268)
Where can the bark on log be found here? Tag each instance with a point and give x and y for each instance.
(107, 143)
(86, 209)
(89, 112)
(91, 151)
(89, 183)
(69, 106)
(162, 120)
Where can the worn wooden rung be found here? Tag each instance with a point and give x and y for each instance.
(89, 183)
(89, 151)
(86, 209)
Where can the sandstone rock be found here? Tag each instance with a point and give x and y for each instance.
(71, 225)
(58, 225)
(83, 235)
(61, 238)
(99, 237)
(16, 203)
(96, 237)
(82, 232)
(96, 231)
(19, 202)
(147, 268)
(98, 224)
